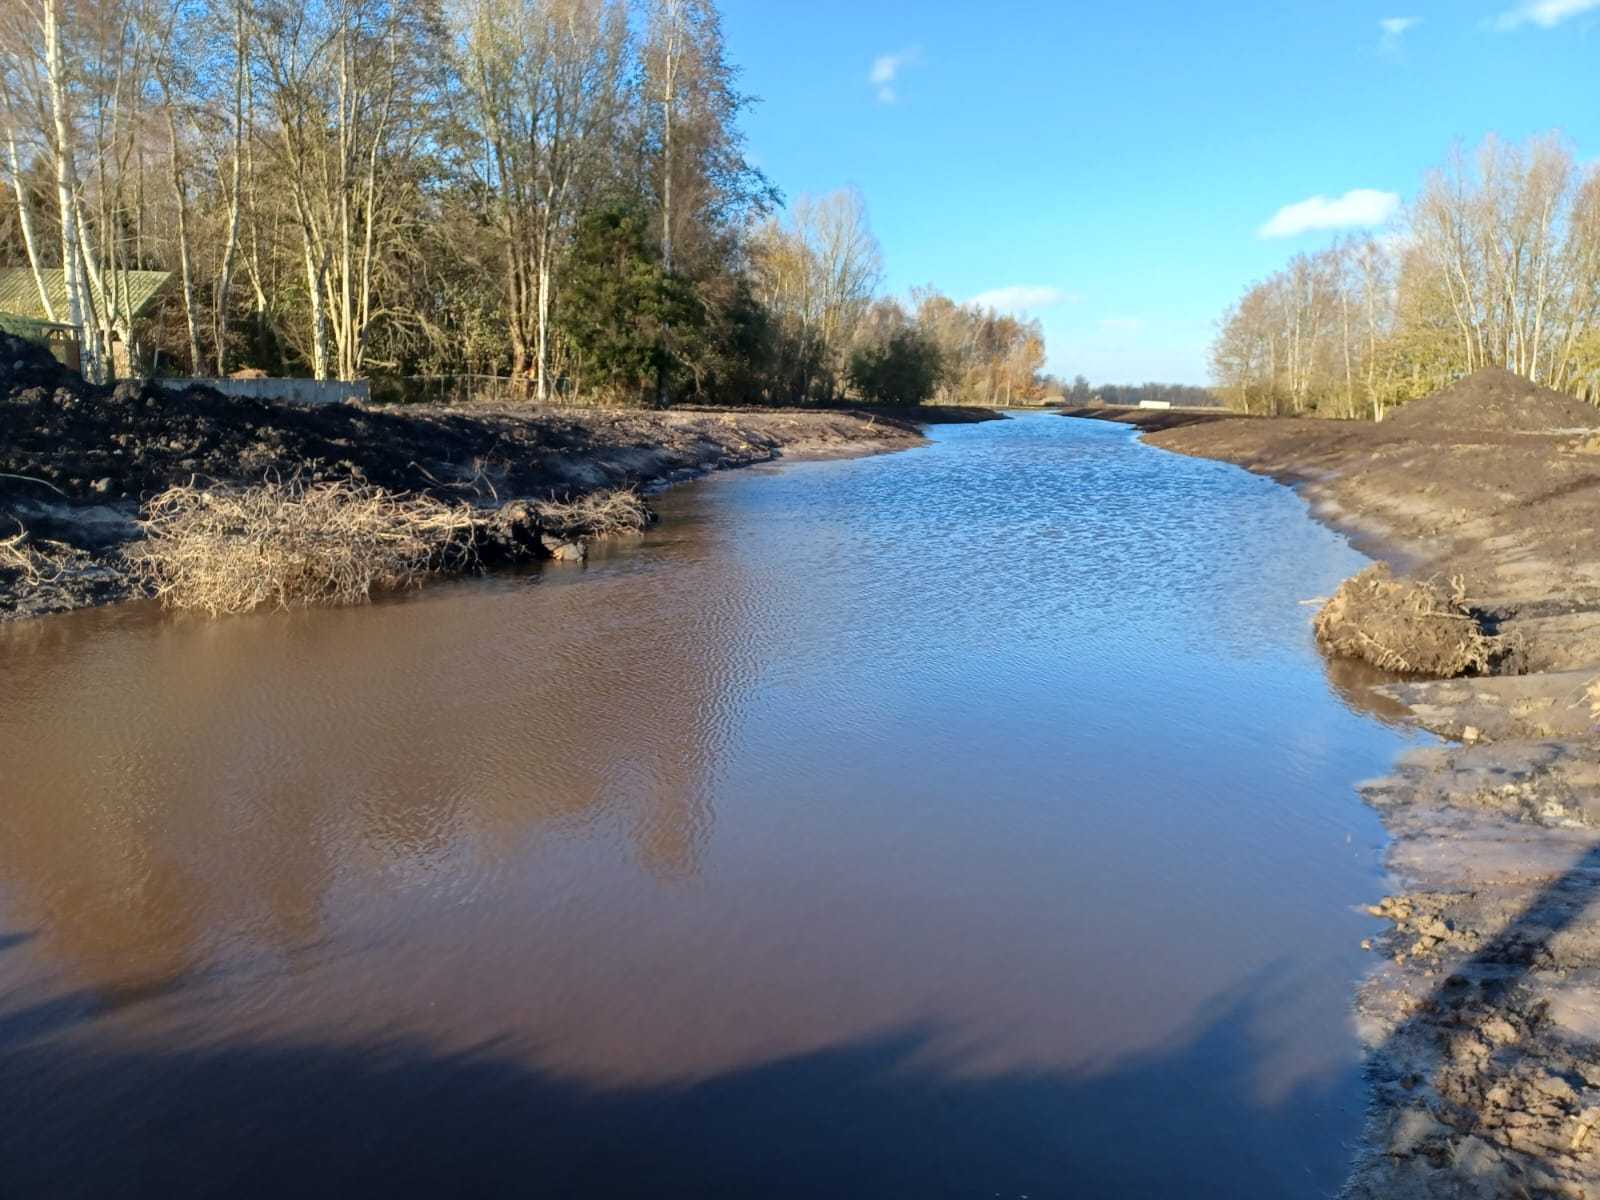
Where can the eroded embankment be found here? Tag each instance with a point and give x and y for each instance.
(78, 464)
(1483, 1017)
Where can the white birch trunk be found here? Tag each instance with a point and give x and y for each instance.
(185, 259)
(67, 187)
(25, 220)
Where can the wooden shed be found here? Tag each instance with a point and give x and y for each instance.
(61, 339)
(135, 293)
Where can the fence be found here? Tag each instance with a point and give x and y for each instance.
(296, 391)
(491, 390)
(512, 391)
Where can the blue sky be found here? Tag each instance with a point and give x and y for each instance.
(1121, 160)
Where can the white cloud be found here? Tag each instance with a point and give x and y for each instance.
(886, 70)
(1546, 14)
(1392, 30)
(1360, 208)
(1021, 296)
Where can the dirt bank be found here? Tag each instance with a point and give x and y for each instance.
(1483, 1015)
(77, 461)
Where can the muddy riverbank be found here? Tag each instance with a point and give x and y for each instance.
(78, 461)
(1483, 1017)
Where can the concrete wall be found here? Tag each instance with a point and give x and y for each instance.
(296, 391)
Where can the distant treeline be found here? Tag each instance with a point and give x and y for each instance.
(1081, 391)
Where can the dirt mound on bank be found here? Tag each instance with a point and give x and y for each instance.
(69, 438)
(1410, 627)
(64, 438)
(1496, 401)
(26, 364)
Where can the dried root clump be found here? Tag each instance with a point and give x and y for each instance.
(38, 563)
(38, 575)
(1416, 628)
(294, 544)
(598, 514)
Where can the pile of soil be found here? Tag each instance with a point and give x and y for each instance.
(65, 437)
(1497, 401)
(69, 439)
(26, 364)
(1411, 627)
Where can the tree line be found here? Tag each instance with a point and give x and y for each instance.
(553, 192)
(1496, 262)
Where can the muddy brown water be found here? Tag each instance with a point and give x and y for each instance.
(971, 821)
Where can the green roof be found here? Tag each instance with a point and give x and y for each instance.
(27, 327)
(20, 295)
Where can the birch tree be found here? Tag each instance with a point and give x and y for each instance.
(67, 198)
(544, 99)
(17, 180)
(173, 112)
(344, 87)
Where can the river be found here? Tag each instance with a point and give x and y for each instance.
(972, 821)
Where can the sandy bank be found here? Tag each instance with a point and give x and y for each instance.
(1483, 1015)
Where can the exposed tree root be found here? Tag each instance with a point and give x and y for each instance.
(1417, 628)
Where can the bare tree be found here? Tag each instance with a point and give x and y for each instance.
(172, 88)
(544, 99)
(63, 148)
(339, 77)
(818, 274)
(19, 187)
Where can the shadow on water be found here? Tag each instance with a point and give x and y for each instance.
(874, 1117)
